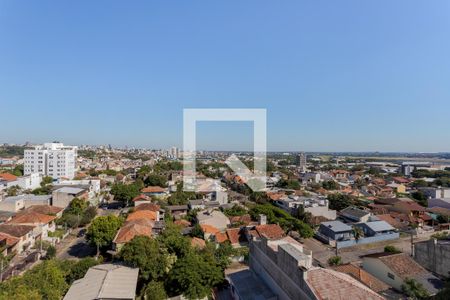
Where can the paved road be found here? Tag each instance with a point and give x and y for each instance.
(74, 247)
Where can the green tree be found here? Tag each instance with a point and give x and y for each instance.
(330, 185)
(77, 270)
(420, 197)
(155, 180)
(146, 254)
(77, 206)
(125, 192)
(339, 201)
(335, 261)
(46, 180)
(48, 279)
(414, 289)
(173, 241)
(155, 291)
(392, 249)
(51, 252)
(181, 197)
(102, 231)
(194, 277)
(197, 231)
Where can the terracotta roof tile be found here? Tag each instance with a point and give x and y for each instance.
(141, 197)
(221, 237)
(209, 229)
(153, 189)
(7, 177)
(372, 282)
(198, 243)
(16, 230)
(45, 209)
(142, 214)
(148, 206)
(128, 232)
(270, 231)
(31, 218)
(233, 235)
(329, 284)
(10, 240)
(403, 265)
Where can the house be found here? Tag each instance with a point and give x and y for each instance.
(141, 199)
(42, 224)
(354, 215)
(12, 204)
(131, 229)
(177, 211)
(23, 232)
(335, 230)
(318, 207)
(394, 269)
(107, 281)
(363, 276)
(155, 191)
(160, 213)
(46, 210)
(377, 228)
(214, 218)
(8, 244)
(63, 196)
(5, 216)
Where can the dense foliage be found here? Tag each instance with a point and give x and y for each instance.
(278, 216)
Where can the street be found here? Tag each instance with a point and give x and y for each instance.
(74, 247)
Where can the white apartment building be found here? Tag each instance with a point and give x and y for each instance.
(51, 159)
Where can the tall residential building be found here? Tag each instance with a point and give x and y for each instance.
(51, 159)
(301, 161)
(174, 152)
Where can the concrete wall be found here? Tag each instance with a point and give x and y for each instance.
(434, 255)
(368, 240)
(280, 271)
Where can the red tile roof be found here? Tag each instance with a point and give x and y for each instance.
(153, 189)
(233, 235)
(10, 240)
(148, 206)
(198, 243)
(7, 177)
(31, 218)
(270, 231)
(141, 197)
(330, 284)
(128, 232)
(209, 229)
(45, 209)
(221, 237)
(142, 214)
(366, 278)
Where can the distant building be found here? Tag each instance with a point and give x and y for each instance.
(51, 159)
(301, 161)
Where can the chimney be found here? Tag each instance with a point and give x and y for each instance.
(262, 220)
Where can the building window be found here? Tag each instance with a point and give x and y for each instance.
(391, 276)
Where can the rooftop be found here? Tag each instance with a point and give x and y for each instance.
(107, 281)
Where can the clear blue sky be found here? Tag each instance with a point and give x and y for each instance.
(333, 75)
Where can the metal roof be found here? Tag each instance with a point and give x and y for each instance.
(107, 281)
(336, 226)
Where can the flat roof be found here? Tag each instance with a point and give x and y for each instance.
(249, 286)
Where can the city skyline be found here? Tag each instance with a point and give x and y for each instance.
(341, 77)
